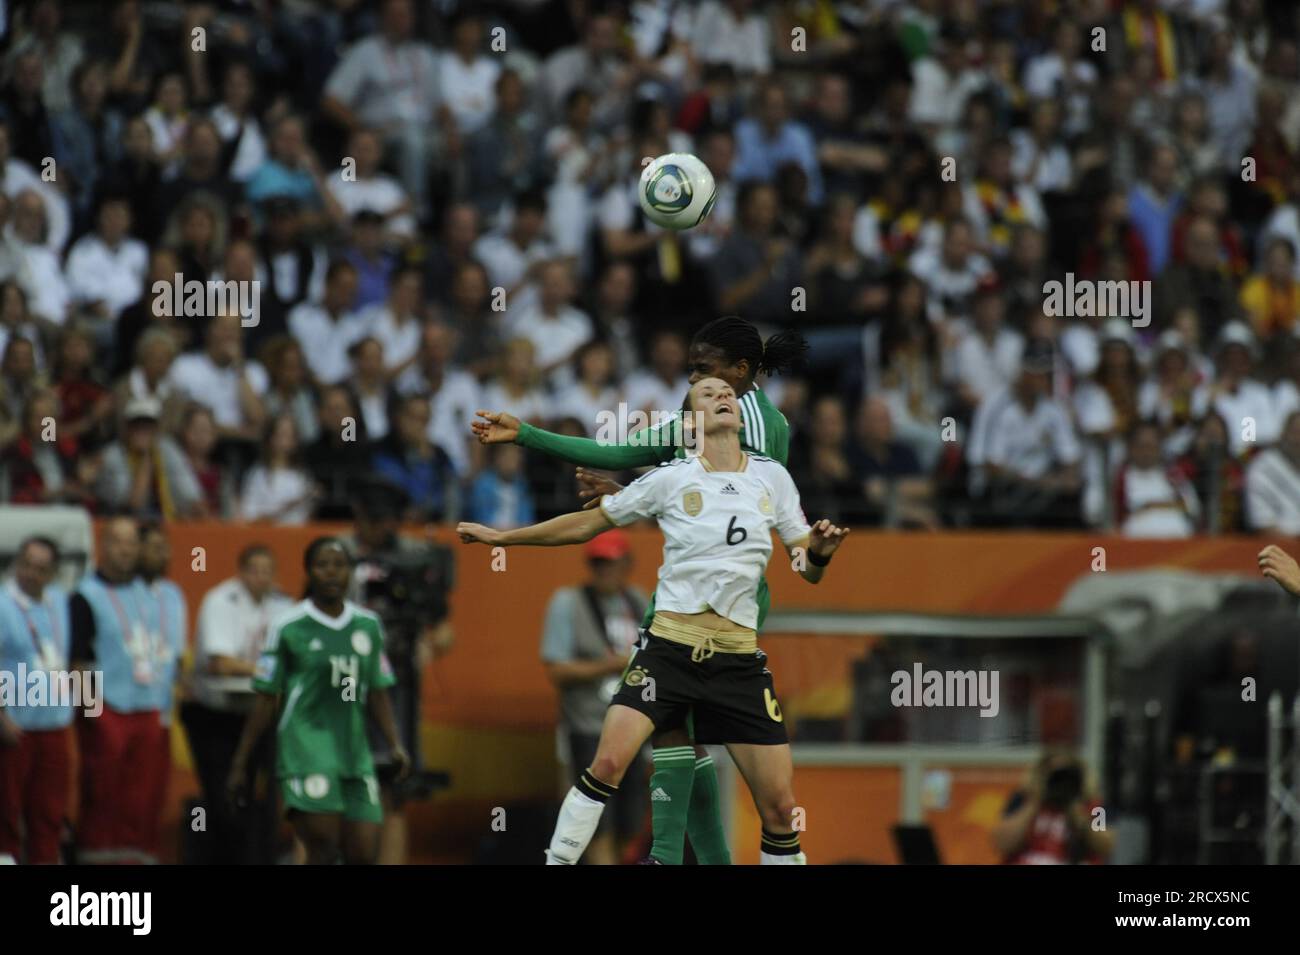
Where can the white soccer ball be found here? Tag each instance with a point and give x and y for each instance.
(676, 191)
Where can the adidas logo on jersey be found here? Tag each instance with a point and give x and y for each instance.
(660, 796)
(729, 488)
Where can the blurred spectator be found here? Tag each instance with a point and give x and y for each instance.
(196, 435)
(1105, 411)
(168, 119)
(987, 358)
(1217, 477)
(514, 255)
(234, 619)
(1024, 453)
(106, 268)
(1244, 403)
(951, 272)
(663, 385)
(593, 395)
(995, 203)
(374, 264)
(364, 186)
(1153, 499)
(340, 457)
(828, 481)
(155, 352)
(135, 173)
(500, 496)
(422, 469)
(1273, 484)
(941, 82)
(87, 136)
(48, 294)
(371, 387)
(1064, 75)
(86, 404)
(40, 466)
(199, 168)
(1153, 203)
(613, 311)
(20, 379)
(25, 109)
(144, 473)
(755, 269)
(389, 82)
(326, 331)
(555, 327)
(17, 322)
(503, 157)
(1173, 396)
(277, 488)
(288, 391)
(770, 138)
(598, 64)
(456, 247)
(452, 392)
(1271, 297)
(467, 75)
(290, 266)
(898, 492)
(237, 122)
(293, 172)
(396, 324)
(1050, 820)
(1200, 282)
(220, 379)
(516, 387)
(477, 324)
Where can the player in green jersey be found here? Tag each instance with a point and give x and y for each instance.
(324, 658)
(731, 349)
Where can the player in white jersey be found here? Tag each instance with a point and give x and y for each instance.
(717, 510)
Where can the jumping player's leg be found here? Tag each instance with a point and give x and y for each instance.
(684, 797)
(319, 833)
(769, 772)
(622, 736)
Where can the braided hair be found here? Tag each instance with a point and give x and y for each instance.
(738, 339)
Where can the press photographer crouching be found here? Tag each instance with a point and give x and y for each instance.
(1054, 819)
(406, 582)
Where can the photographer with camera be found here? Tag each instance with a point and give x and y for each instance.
(1050, 820)
(406, 582)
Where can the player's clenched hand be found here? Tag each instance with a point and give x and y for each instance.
(402, 761)
(825, 538)
(593, 485)
(1277, 564)
(498, 427)
(477, 533)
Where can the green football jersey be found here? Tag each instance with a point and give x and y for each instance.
(765, 431)
(324, 667)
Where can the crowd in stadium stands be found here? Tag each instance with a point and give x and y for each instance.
(438, 202)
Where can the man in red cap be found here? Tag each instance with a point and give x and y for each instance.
(588, 635)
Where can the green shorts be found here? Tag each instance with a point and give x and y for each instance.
(353, 797)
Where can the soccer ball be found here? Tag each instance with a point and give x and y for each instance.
(676, 191)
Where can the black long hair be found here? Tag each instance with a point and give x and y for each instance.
(737, 339)
(309, 555)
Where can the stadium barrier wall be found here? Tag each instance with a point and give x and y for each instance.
(489, 711)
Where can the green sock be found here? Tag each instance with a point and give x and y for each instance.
(670, 801)
(704, 821)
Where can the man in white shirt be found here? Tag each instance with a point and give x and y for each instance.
(987, 358)
(17, 177)
(554, 326)
(233, 622)
(734, 33)
(365, 187)
(467, 76)
(453, 393)
(220, 379)
(1023, 452)
(326, 331)
(1245, 404)
(106, 268)
(1273, 484)
(48, 295)
(1063, 75)
(389, 82)
(510, 256)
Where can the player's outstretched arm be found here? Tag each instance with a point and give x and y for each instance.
(566, 529)
(823, 540)
(644, 448)
(1278, 565)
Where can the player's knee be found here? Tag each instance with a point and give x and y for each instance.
(608, 768)
(777, 811)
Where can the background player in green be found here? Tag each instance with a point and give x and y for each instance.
(325, 658)
(731, 349)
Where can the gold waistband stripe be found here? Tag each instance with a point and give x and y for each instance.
(704, 641)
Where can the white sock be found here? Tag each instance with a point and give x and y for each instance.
(579, 817)
(766, 858)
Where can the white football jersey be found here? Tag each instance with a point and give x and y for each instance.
(717, 530)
